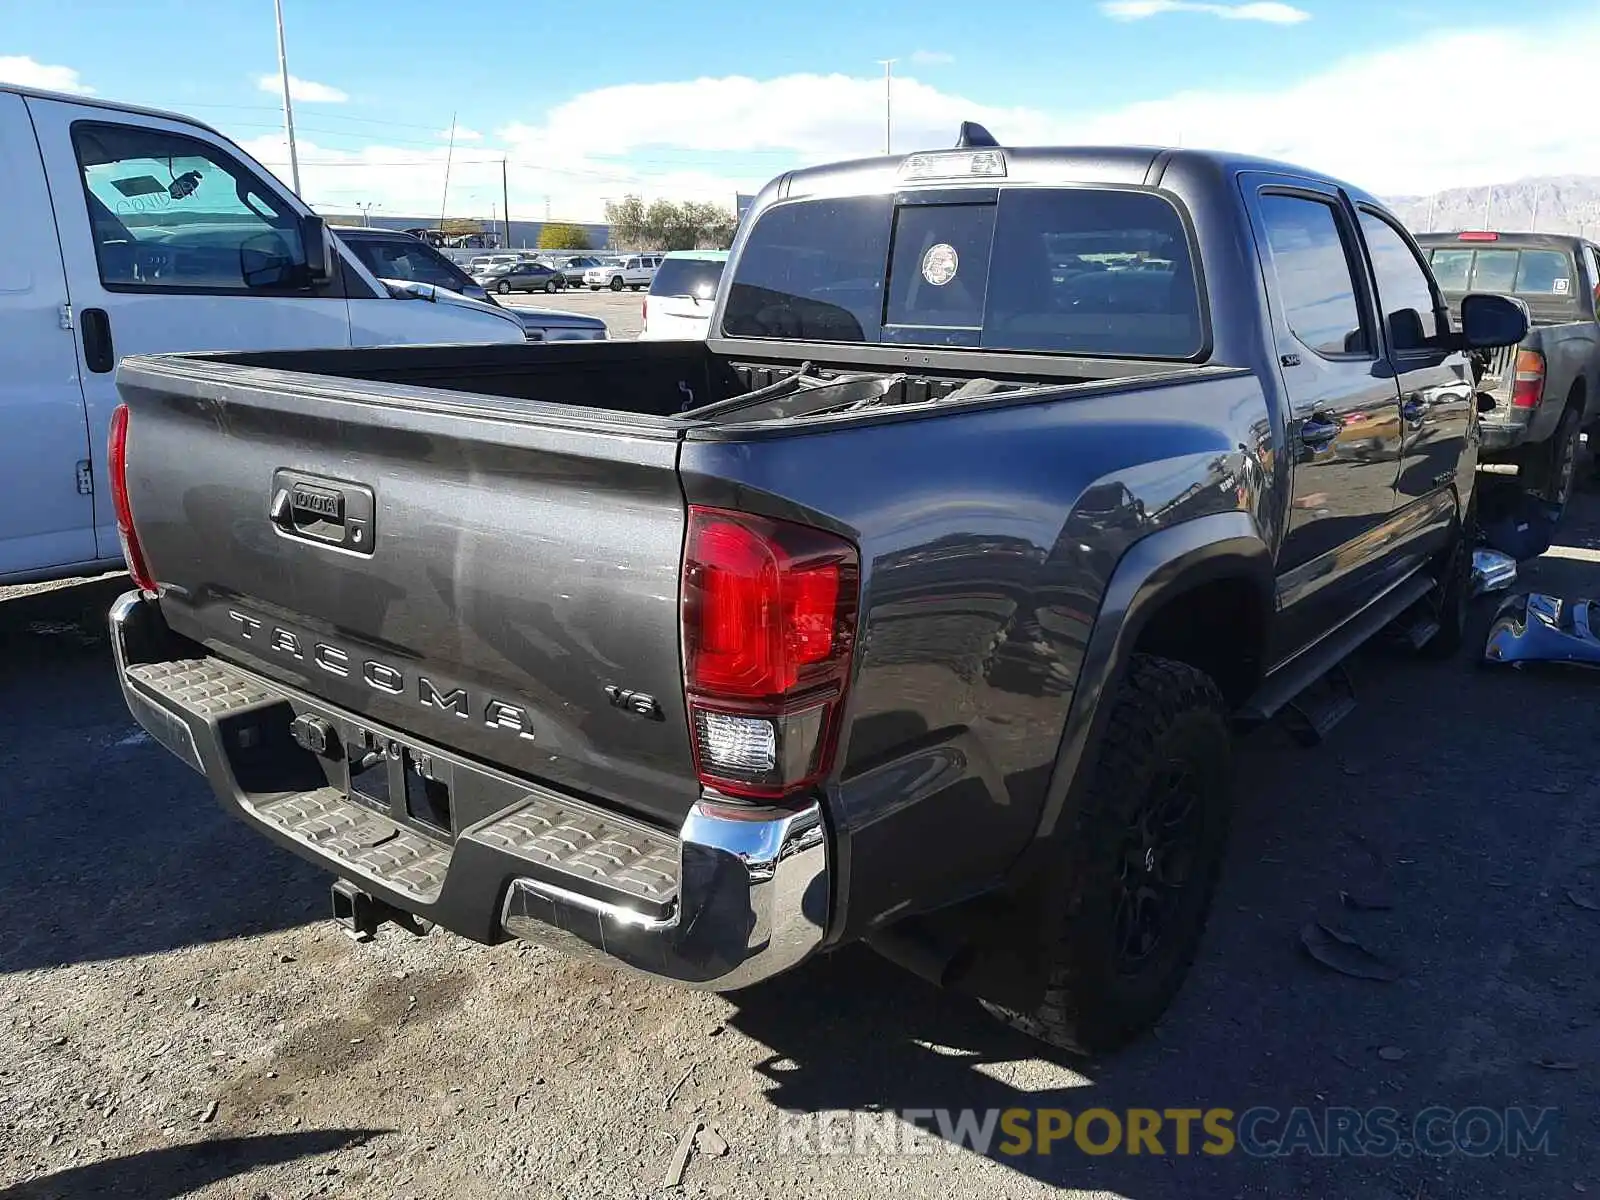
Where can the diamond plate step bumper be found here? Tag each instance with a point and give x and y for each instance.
(735, 897)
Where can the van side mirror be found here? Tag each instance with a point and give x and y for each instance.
(318, 251)
(1489, 321)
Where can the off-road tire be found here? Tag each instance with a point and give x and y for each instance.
(1166, 717)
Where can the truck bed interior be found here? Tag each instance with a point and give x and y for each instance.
(684, 380)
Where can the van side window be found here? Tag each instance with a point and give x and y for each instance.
(173, 214)
(1410, 310)
(1315, 283)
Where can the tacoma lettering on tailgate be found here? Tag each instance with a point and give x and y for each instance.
(382, 677)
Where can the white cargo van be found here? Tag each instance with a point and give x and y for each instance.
(129, 231)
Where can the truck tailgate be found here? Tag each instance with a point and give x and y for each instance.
(474, 573)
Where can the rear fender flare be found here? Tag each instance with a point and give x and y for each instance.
(1154, 569)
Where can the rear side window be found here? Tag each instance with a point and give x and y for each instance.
(1089, 271)
(687, 277)
(1311, 264)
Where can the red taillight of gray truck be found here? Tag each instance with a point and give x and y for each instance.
(1529, 386)
(769, 622)
(117, 463)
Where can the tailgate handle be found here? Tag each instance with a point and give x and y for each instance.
(322, 510)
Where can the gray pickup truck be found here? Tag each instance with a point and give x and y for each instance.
(1545, 388)
(913, 607)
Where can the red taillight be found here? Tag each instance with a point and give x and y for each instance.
(769, 620)
(117, 464)
(1529, 386)
(1478, 236)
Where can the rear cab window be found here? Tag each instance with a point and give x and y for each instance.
(1507, 270)
(696, 277)
(1069, 270)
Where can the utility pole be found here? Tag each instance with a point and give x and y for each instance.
(505, 204)
(366, 207)
(450, 152)
(1536, 208)
(1433, 201)
(1488, 206)
(288, 108)
(888, 104)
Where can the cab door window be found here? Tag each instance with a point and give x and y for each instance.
(1411, 310)
(170, 213)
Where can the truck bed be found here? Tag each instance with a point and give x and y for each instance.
(673, 385)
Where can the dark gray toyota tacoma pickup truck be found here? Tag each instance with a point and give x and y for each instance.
(915, 606)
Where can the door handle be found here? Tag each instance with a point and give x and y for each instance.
(99, 355)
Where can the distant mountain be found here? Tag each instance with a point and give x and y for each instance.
(1550, 204)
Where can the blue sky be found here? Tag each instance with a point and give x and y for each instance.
(592, 101)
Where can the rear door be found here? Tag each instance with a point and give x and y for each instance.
(1344, 418)
(46, 509)
(1437, 410)
(155, 217)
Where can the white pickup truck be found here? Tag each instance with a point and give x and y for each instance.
(635, 271)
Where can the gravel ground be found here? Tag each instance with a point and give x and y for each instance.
(623, 312)
(177, 1018)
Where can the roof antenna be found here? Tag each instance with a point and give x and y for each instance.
(973, 134)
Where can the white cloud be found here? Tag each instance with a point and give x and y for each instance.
(1270, 11)
(933, 58)
(1373, 119)
(302, 89)
(21, 69)
(462, 134)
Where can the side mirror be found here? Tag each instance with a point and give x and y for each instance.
(318, 251)
(1489, 322)
(265, 261)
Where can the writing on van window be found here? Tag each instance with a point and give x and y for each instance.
(169, 212)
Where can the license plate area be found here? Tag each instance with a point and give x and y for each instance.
(406, 784)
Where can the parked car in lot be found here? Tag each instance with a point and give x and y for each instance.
(911, 607)
(521, 277)
(390, 254)
(572, 269)
(634, 271)
(682, 293)
(131, 231)
(416, 270)
(1548, 388)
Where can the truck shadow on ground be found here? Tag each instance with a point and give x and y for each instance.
(181, 1170)
(1453, 789)
(113, 847)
